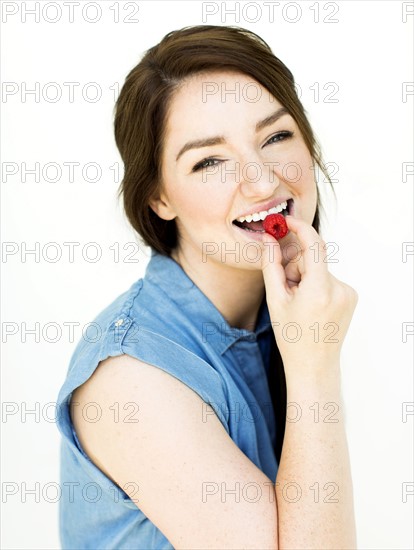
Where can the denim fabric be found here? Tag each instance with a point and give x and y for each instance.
(165, 320)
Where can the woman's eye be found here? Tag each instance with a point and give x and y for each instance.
(280, 136)
(210, 161)
(205, 163)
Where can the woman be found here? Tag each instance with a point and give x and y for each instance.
(174, 421)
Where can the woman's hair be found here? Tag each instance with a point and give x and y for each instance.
(142, 108)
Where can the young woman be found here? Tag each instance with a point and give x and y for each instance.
(175, 424)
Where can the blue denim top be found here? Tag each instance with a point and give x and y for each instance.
(165, 320)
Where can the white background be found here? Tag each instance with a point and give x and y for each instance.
(367, 133)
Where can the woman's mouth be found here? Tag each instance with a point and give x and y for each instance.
(257, 226)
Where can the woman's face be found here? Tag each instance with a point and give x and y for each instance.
(225, 157)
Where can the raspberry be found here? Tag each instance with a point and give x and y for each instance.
(275, 225)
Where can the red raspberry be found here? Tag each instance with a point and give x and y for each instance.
(275, 225)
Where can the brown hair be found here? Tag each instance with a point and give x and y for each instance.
(142, 106)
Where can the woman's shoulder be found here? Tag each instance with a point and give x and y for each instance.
(144, 325)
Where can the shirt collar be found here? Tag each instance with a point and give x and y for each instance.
(167, 274)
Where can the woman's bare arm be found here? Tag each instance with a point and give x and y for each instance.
(314, 484)
(190, 474)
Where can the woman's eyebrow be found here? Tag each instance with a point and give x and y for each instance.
(218, 140)
(271, 118)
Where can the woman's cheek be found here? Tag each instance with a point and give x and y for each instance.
(299, 168)
(202, 206)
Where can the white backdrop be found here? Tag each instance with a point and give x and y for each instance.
(353, 63)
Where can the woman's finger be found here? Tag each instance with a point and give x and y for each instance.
(293, 274)
(273, 273)
(313, 249)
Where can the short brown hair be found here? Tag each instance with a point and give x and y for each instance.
(142, 106)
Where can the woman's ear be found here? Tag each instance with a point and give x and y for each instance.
(161, 206)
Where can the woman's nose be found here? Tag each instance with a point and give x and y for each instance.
(258, 178)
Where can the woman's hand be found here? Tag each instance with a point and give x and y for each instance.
(309, 308)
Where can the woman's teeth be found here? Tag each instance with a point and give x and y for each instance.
(262, 215)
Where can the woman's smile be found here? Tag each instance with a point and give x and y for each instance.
(253, 222)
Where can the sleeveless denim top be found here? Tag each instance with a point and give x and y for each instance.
(165, 320)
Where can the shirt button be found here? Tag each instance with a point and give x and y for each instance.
(119, 322)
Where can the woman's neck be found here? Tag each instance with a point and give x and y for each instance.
(236, 293)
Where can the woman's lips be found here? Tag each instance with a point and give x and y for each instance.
(290, 212)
